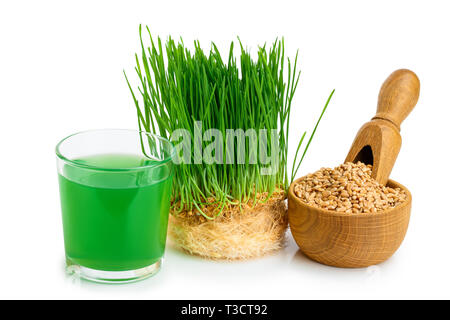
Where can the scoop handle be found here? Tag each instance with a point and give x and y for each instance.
(398, 96)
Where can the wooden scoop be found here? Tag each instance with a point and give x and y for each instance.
(378, 141)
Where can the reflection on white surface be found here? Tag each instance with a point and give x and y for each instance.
(287, 274)
(373, 274)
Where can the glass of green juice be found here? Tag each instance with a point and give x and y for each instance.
(115, 188)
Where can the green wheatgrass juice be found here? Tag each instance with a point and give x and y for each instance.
(115, 220)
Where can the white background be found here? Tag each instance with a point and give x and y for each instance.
(61, 68)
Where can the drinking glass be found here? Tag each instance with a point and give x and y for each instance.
(115, 188)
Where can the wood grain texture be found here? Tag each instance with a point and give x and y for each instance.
(378, 142)
(398, 96)
(347, 239)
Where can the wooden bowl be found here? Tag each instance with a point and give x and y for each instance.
(348, 240)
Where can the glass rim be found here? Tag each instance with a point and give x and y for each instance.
(156, 163)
